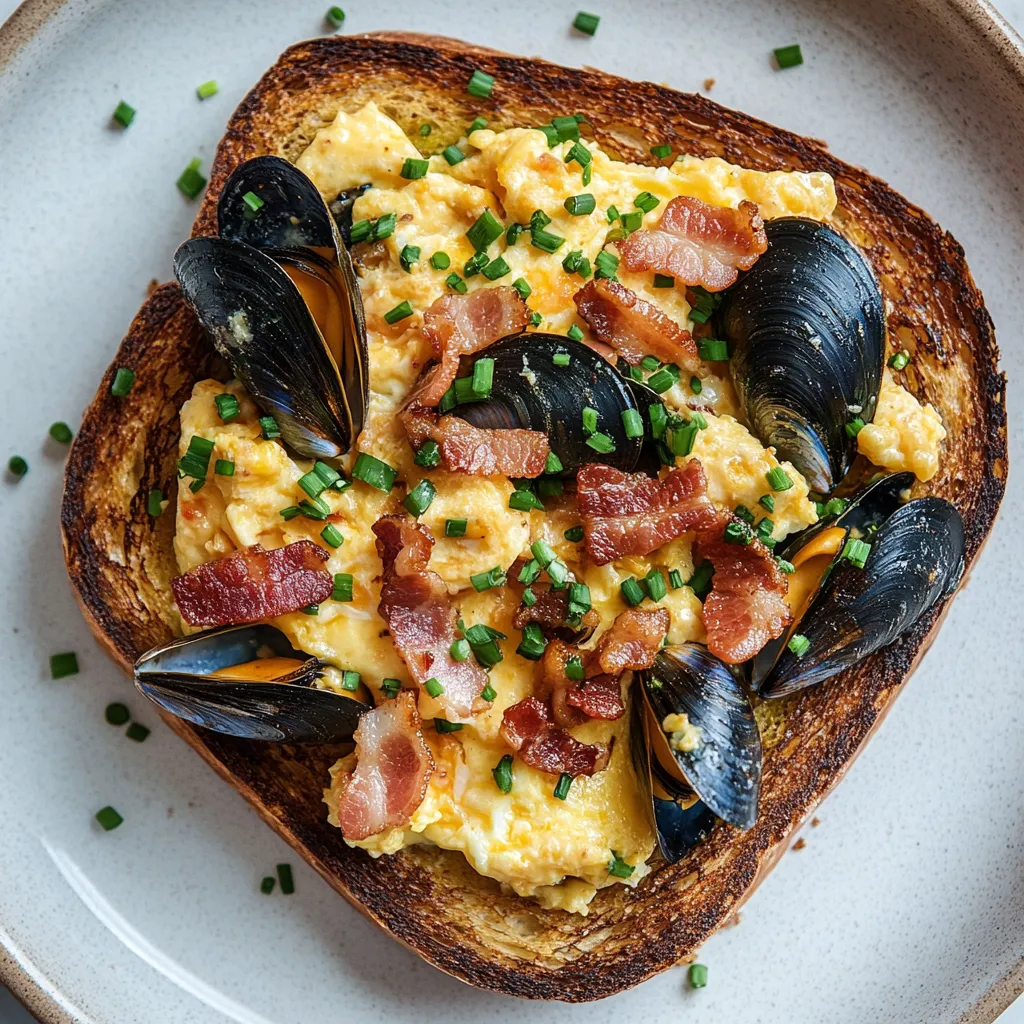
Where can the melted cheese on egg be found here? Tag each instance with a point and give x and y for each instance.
(555, 851)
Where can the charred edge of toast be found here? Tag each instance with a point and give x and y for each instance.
(452, 917)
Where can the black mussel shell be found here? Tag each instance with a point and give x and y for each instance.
(916, 559)
(724, 771)
(177, 676)
(341, 210)
(531, 392)
(864, 514)
(806, 329)
(260, 323)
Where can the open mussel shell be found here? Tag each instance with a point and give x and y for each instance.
(179, 677)
(260, 323)
(531, 392)
(806, 329)
(724, 769)
(916, 558)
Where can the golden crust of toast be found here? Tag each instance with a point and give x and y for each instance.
(120, 560)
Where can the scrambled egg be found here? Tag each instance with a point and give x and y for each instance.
(553, 850)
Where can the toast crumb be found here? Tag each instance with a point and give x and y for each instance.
(733, 919)
(800, 844)
(152, 286)
(709, 84)
(815, 822)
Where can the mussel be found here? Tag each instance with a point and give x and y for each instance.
(806, 332)
(705, 767)
(861, 598)
(533, 392)
(279, 296)
(247, 681)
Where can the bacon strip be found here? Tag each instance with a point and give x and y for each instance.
(630, 643)
(253, 584)
(392, 770)
(458, 325)
(747, 604)
(414, 604)
(631, 514)
(698, 244)
(527, 728)
(600, 697)
(634, 326)
(550, 612)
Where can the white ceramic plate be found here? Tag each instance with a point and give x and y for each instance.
(907, 902)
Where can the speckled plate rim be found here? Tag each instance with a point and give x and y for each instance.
(25, 980)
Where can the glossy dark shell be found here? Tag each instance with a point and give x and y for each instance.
(806, 329)
(917, 557)
(177, 676)
(260, 323)
(531, 392)
(725, 769)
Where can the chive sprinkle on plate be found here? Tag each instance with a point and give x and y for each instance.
(788, 56)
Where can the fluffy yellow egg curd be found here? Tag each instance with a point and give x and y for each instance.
(557, 851)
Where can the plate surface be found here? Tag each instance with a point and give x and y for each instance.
(907, 903)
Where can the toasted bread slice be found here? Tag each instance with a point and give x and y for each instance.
(120, 560)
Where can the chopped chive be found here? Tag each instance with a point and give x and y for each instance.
(524, 501)
(453, 155)
(543, 553)
(485, 230)
(108, 818)
(744, 513)
(579, 599)
(575, 332)
(700, 581)
(798, 644)
(384, 227)
(207, 89)
(361, 231)
(601, 443)
(738, 533)
(580, 205)
(675, 579)
(409, 256)
(561, 358)
(579, 153)
(552, 464)
(778, 479)
(335, 16)
(533, 642)
(854, 427)
(476, 124)
(574, 534)
(695, 385)
(486, 580)
(61, 433)
(311, 609)
(253, 201)
(574, 668)
(17, 466)
(512, 233)
(530, 571)
(155, 503)
(714, 350)
(698, 976)
(123, 114)
(285, 879)
(137, 732)
(342, 590)
(632, 592)
(425, 130)
(267, 885)
(502, 773)
(456, 283)
(545, 240)
(606, 264)
(316, 509)
(332, 536)
(619, 868)
(480, 84)
(190, 182)
(414, 168)
(788, 56)
(116, 714)
(442, 725)
(654, 581)
(631, 221)
(374, 472)
(659, 420)
(62, 665)
(767, 502)
(390, 687)
(857, 551)
(455, 527)
(632, 423)
(488, 692)
(586, 23)
(522, 286)
(787, 567)
(589, 419)
(899, 360)
(224, 467)
(571, 262)
(428, 454)
(350, 680)
(650, 364)
(662, 151)
(661, 381)
(475, 264)
(124, 381)
(646, 202)
(550, 133)
(290, 512)
(197, 485)
(418, 500)
(496, 268)
(563, 786)
(764, 530)
(483, 639)
(433, 687)
(400, 312)
(440, 261)
(460, 650)
(664, 281)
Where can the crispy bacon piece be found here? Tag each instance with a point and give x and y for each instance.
(630, 643)
(550, 611)
(458, 325)
(414, 604)
(634, 326)
(253, 584)
(527, 728)
(631, 514)
(392, 770)
(478, 452)
(698, 244)
(747, 604)
(600, 697)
